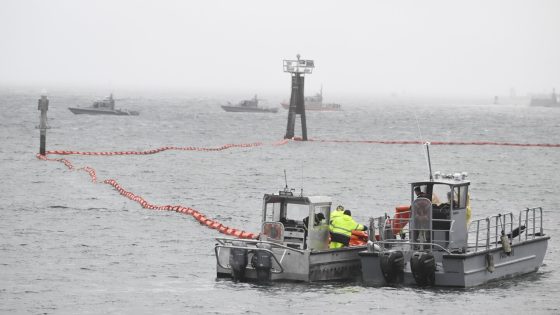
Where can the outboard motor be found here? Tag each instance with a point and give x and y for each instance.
(392, 266)
(423, 265)
(262, 262)
(238, 260)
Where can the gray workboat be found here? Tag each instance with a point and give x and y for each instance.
(431, 243)
(288, 249)
(103, 107)
(315, 103)
(249, 106)
(546, 101)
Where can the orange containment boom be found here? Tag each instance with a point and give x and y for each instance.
(402, 216)
(358, 238)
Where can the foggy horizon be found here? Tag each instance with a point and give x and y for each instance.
(361, 49)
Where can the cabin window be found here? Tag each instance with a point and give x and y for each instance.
(325, 211)
(453, 197)
(420, 191)
(463, 193)
(272, 212)
(273, 231)
(295, 213)
(439, 194)
(459, 197)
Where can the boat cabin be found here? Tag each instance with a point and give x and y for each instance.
(253, 103)
(439, 212)
(300, 222)
(107, 103)
(317, 98)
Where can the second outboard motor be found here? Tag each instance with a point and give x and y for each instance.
(388, 235)
(423, 265)
(262, 262)
(392, 266)
(238, 260)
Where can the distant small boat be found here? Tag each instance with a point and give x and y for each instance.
(103, 107)
(248, 106)
(551, 101)
(315, 103)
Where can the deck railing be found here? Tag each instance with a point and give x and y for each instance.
(387, 238)
(485, 233)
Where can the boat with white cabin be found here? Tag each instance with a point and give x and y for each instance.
(287, 249)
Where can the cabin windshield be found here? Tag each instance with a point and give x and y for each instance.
(442, 194)
(431, 192)
(439, 194)
(286, 212)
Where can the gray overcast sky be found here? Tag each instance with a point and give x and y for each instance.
(359, 47)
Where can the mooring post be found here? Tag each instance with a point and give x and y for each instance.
(43, 107)
(298, 68)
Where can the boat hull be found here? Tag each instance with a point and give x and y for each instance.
(95, 111)
(302, 265)
(315, 107)
(545, 104)
(238, 109)
(466, 270)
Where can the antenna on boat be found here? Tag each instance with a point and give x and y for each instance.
(429, 161)
(427, 144)
(287, 191)
(301, 192)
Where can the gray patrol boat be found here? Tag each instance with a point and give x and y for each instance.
(288, 249)
(249, 106)
(432, 244)
(103, 107)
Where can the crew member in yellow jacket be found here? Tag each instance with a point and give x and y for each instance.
(341, 229)
(339, 211)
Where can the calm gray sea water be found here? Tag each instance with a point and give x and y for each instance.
(71, 246)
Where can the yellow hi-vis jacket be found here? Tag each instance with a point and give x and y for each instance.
(344, 224)
(335, 214)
